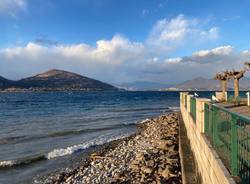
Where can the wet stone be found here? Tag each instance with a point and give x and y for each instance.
(145, 157)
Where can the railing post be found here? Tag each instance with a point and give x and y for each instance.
(193, 108)
(210, 126)
(234, 146)
(206, 117)
(214, 125)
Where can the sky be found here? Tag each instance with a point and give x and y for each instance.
(116, 41)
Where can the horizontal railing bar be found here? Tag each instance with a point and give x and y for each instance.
(243, 117)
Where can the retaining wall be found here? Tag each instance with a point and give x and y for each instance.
(210, 168)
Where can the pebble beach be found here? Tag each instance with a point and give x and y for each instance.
(149, 156)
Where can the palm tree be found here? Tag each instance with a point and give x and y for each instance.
(223, 78)
(236, 76)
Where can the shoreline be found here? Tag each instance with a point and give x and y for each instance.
(148, 156)
(61, 175)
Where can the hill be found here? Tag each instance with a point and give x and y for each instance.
(203, 84)
(5, 83)
(57, 80)
(142, 86)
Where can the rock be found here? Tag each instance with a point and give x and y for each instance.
(150, 163)
(145, 158)
(88, 179)
(164, 144)
(140, 157)
(134, 167)
(146, 170)
(167, 174)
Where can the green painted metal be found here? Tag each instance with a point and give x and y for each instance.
(234, 142)
(229, 134)
(207, 116)
(193, 108)
(215, 118)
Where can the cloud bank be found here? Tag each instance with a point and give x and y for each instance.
(120, 59)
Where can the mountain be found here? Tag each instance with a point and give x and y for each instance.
(142, 86)
(5, 82)
(203, 84)
(57, 80)
(198, 84)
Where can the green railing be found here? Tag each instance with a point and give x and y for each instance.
(240, 100)
(193, 108)
(229, 134)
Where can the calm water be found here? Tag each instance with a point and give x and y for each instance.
(43, 132)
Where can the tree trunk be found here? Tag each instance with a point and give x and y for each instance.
(224, 89)
(224, 86)
(236, 88)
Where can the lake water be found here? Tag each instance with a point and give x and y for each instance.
(43, 132)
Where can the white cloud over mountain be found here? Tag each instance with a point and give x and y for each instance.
(120, 59)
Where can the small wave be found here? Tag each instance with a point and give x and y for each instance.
(79, 147)
(6, 164)
(22, 161)
(175, 109)
(6, 140)
(144, 121)
(70, 132)
(141, 109)
(19, 139)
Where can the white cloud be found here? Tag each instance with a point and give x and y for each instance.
(120, 59)
(98, 61)
(162, 4)
(205, 63)
(180, 30)
(173, 60)
(233, 18)
(12, 7)
(211, 34)
(246, 52)
(223, 50)
(117, 60)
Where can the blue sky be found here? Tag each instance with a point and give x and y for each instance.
(132, 40)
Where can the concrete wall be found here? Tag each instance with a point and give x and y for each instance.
(210, 168)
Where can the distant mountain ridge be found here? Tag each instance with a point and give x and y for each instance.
(196, 84)
(59, 80)
(55, 80)
(203, 84)
(142, 86)
(5, 82)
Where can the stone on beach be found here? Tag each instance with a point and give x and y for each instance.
(150, 156)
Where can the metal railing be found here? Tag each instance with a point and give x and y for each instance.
(229, 134)
(193, 108)
(240, 100)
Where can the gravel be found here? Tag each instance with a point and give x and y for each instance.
(149, 156)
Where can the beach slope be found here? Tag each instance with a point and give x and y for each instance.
(149, 156)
